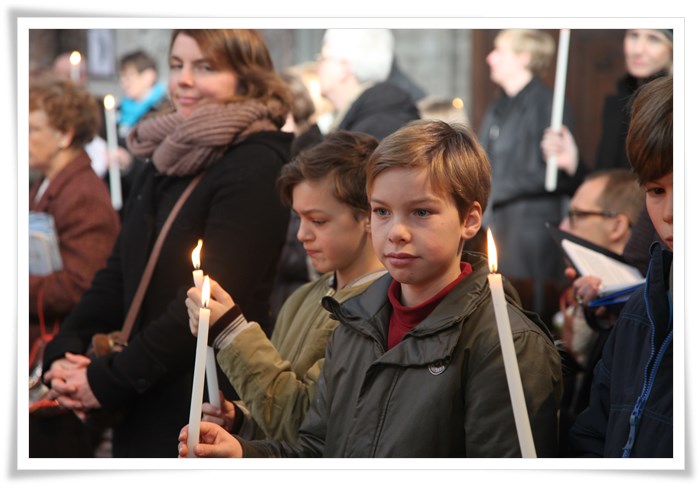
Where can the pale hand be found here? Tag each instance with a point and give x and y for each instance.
(214, 442)
(219, 303)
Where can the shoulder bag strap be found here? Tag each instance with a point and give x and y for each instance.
(153, 258)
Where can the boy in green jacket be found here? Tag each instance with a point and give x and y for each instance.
(276, 377)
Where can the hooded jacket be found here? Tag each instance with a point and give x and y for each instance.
(634, 377)
(440, 392)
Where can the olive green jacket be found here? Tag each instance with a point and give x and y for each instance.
(276, 378)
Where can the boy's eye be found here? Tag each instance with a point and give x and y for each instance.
(655, 191)
(380, 211)
(318, 222)
(174, 66)
(422, 212)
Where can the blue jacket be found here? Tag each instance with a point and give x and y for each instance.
(631, 407)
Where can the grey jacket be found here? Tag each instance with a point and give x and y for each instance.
(440, 392)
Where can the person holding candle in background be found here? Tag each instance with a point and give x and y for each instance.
(630, 413)
(63, 117)
(143, 96)
(229, 108)
(415, 367)
(276, 378)
(511, 133)
(648, 54)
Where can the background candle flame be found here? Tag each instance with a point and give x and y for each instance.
(195, 254)
(205, 292)
(493, 254)
(109, 101)
(74, 58)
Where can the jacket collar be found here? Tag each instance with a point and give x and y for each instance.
(433, 340)
(59, 182)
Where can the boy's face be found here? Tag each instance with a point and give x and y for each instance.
(136, 85)
(332, 237)
(660, 207)
(417, 233)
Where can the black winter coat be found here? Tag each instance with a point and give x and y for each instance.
(380, 110)
(237, 213)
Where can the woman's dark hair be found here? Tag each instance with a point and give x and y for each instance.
(650, 135)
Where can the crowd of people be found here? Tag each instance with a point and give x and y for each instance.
(343, 215)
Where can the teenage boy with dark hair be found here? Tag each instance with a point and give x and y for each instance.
(631, 405)
(276, 378)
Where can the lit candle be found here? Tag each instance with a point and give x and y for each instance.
(199, 370)
(515, 385)
(197, 274)
(74, 60)
(212, 378)
(115, 181)
(558, 104)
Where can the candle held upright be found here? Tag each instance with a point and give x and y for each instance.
(199, 371)
(558, 103)
(212, 378)
(510, 360)
(115, 181)
(75, 59)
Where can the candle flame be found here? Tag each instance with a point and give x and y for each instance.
(74, 58)
(205, 292)
(458, 103)
(195, 255)
(109, 101)
(493, 254)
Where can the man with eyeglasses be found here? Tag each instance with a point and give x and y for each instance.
(603, 211)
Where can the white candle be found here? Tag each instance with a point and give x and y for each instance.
(74, 60)
(515, 385)
(558, 103)
(212, 378)
(199, 370)
(115, 181)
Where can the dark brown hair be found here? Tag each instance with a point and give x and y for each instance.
(139, 59)
(457, 165)
(245, 53)
(343, 155)
(650, 135)
(67, 107)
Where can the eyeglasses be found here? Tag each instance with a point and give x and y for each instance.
(573, 214)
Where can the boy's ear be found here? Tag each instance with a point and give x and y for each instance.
(366, 219)
(472, 221)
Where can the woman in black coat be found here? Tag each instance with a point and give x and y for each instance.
(229, 106)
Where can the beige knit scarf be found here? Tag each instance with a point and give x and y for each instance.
(183, 146)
